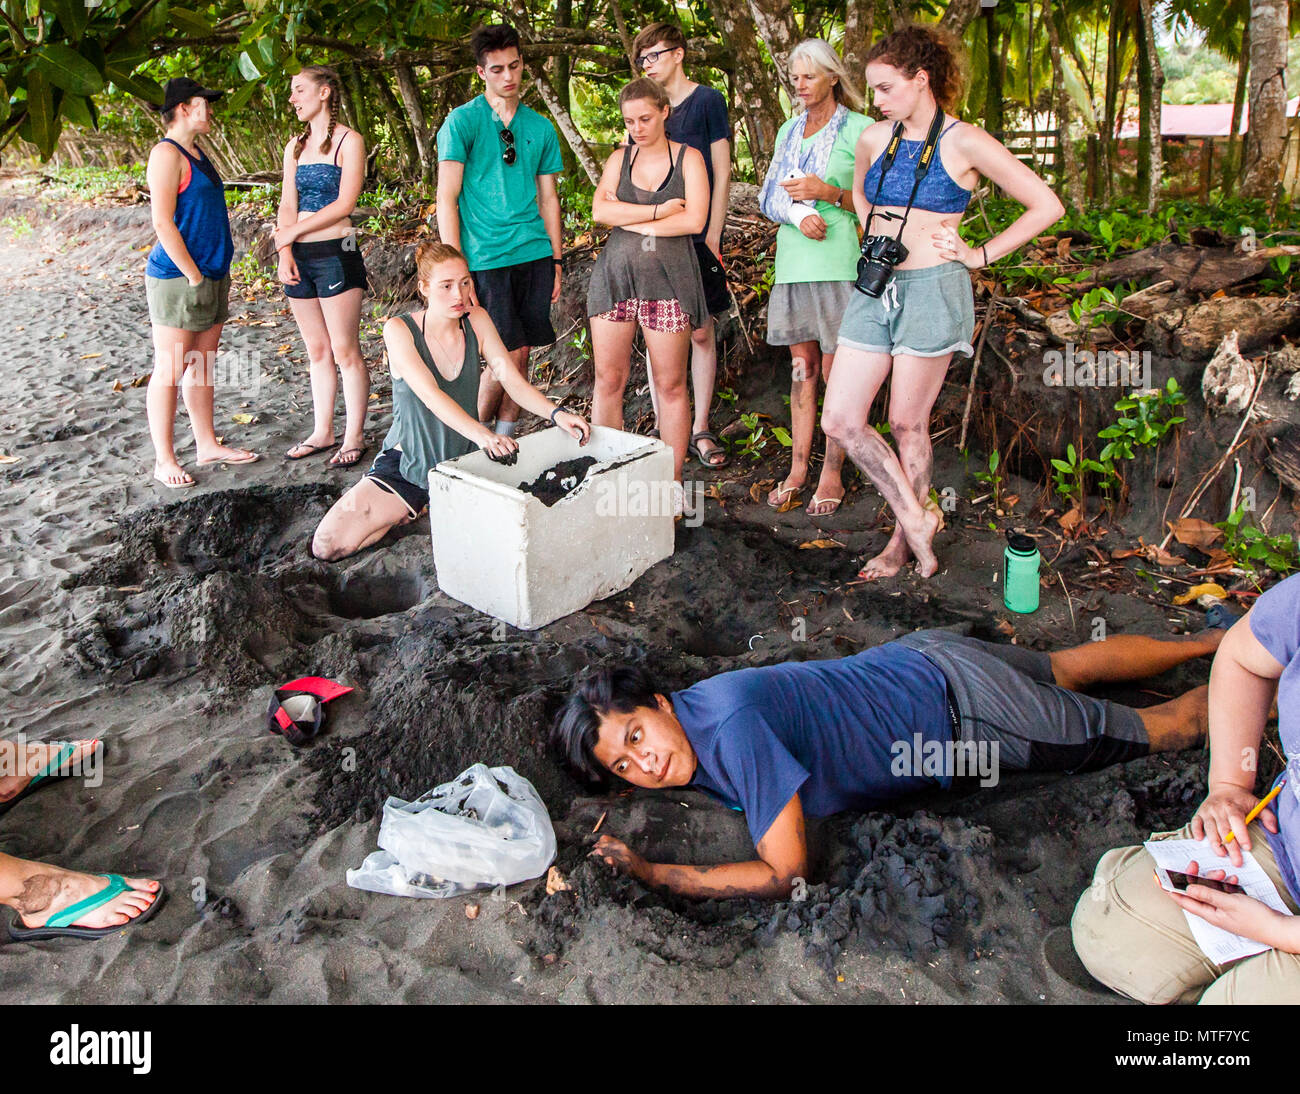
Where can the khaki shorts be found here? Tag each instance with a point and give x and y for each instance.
(173, 302)
(1135, 940)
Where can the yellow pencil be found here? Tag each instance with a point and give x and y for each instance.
(1258, 809)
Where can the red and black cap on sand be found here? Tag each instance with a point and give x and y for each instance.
(297, 709)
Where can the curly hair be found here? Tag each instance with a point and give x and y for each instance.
(919, 47)
(322, 74)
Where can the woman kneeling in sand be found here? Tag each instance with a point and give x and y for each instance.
(433, 356)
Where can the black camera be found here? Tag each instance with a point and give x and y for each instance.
(880, 254)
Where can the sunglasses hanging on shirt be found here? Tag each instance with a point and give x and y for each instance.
(508, 155)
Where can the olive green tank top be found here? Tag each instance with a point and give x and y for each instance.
(424, 438)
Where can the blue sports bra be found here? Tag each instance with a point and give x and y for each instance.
(937, 192)
(318, 183)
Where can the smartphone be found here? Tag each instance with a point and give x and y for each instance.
(1181, 881)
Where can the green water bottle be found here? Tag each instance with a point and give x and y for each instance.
(1020, 573)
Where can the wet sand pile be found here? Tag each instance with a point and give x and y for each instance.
(559, 481)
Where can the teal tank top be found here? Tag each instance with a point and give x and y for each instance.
(425, 440)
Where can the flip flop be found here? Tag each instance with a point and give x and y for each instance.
(250, 457)
(341, 459)
(781, 495)
(718, 450)
(189, 481)
(816, 500)
(60, 925)
(52, 770)
(312, 450)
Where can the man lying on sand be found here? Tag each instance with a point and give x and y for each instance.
(1132, 934)
(821, 737)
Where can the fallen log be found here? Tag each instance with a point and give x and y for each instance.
(1196, 269)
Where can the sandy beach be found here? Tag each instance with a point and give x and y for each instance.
(160, 620)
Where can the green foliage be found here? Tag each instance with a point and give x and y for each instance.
(993, 477)
(753, 442)
(1097, 306)
(1145, 419)
(1252, 548)
(581, 343)
(1070, 476)
(726, 395)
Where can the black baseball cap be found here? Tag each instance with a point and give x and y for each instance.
(182, 89)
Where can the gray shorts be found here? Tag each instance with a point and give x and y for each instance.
(923, 313)
(1007, 694)
(807, 311)
(173, 302)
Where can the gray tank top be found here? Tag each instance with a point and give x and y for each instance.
(424, 438)
(633, 266)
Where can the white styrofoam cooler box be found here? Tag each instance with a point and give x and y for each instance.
(503, 552)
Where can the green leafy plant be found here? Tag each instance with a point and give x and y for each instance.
(726, 395)
(1145, 420)
(1251, 547)
(1070, 476)
(1098, 305)
(993, 477)
(581, 343)
(753, 442)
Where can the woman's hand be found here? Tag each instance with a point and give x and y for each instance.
(288, 269)
(813, 226)
(284, 236)
(670, 208)
(811, 188)
(1234, 912)
(1224, 810)
(574, 426)
(951, 246)
(497, 445)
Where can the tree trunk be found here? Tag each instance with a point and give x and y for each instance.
(1238, 104)
(857, 40)
(357, 100)
(397, 122)
(1114, 62)
(1068, 167)
(563, 72)
(424, 145)
(775, 23)
(623, 36)
(1266, 132)
(755, 91)
(993, 90)
(564, 122)
(1151, 82)
(959, 15)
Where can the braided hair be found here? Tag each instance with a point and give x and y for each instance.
(322, 74)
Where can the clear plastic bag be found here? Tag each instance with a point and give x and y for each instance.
(486, 827)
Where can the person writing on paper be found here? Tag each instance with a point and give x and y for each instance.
(1130, 933)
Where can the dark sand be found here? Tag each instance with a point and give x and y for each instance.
(161, 620)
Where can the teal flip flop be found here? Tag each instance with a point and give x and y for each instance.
(60, 925)
(52, 770)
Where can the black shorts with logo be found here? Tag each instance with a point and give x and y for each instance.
(717, 297)
(327, 267)
(518, 298)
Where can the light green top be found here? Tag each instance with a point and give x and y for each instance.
(834, 258)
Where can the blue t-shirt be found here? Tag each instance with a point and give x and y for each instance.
(821, 729)
(1275, 623)
(500, 223)
(699, 120)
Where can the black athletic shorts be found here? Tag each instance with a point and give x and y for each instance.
(717, 297)
(386, 473)
(327, 267)
(518, 298)
(1009, 694)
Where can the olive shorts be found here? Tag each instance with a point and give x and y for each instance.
(1136, 941)
(173, 302)
(928, 312)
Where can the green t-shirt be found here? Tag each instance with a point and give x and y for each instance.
(834, 258)
(500, 223)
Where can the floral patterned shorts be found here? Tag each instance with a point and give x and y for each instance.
(657, 315)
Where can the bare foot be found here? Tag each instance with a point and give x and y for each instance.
(920, 538)
(792, 484)
(827, 497)
(888, 562)
(172, 474)
(50, 889)
(220, 453)
(20, 767)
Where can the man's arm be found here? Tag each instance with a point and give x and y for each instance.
(783, 856)
(720, 154)
(548, 204)
(451, 177)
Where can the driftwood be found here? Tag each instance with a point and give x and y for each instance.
(1284, 458)
(1197, 331)
(1196, 269)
